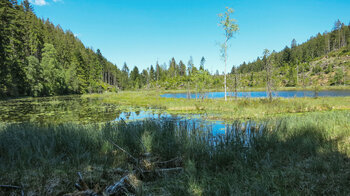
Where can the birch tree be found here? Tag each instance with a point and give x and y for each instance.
(230, 27)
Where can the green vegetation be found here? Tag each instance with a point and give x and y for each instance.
(38, 58)
(297, 146)
(230, 27)
(242, 108)
(58, 110)
(306, 154)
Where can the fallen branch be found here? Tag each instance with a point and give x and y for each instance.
(169, 170)
(10, 187)
(175, 162)
(121, 187)
(81, 185)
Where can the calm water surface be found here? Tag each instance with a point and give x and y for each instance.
(194, 122)
(261, 94)
(75, 109)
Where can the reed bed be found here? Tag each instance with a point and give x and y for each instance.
(307, 154)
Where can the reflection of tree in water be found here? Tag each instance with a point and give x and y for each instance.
(137, 112)
(117, 114)
(127, 115)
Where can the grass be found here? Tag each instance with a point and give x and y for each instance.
(247, 89)
(304, 154)
(242, 108)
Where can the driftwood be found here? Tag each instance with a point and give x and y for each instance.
(121, 187)
(146, 168)
(81, 185)
(167, 171)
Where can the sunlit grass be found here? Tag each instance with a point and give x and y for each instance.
(242, 108)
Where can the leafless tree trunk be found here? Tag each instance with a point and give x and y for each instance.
(297, 74)
(225, 69)
(344, 74)
(236, 84)
(268, 65)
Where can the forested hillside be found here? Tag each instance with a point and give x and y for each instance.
(38, 58)
(324, 57)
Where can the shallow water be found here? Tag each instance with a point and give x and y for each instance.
(56, 110)
(261, 94)
(196, 122)
(74, 109)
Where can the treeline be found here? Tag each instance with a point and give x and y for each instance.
(168, 76)
(317, 46)
(38, 58)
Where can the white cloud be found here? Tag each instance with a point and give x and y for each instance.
(39, 2)
(43, 2)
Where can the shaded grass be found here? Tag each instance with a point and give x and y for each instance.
(307, 154)
(303, 155)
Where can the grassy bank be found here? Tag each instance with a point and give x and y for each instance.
(242, 108)
(247, 89)
(307, 154)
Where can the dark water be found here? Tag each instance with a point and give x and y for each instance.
(261, 94)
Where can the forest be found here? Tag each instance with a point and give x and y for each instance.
(39, 58)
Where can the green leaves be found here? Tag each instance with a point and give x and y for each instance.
(229, 24)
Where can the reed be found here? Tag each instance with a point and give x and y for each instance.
(300, 154)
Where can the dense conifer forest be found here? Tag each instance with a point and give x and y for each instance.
(38, 58)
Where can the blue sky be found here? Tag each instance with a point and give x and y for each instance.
(140, 32)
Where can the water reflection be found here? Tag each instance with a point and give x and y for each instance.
(55, 110)
(141, 115)
(216, 132)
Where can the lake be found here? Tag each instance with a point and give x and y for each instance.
(261, 94)
(75, 109)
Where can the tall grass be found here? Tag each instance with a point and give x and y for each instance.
(306, 154)
(242, 108)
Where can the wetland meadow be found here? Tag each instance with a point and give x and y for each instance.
(242, 146)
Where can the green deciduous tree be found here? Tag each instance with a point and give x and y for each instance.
(34, 76)
(230, 27)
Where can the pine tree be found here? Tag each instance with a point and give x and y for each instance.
(201, 67)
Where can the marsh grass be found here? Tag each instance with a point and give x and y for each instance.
(242, 108)
(307, 154)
